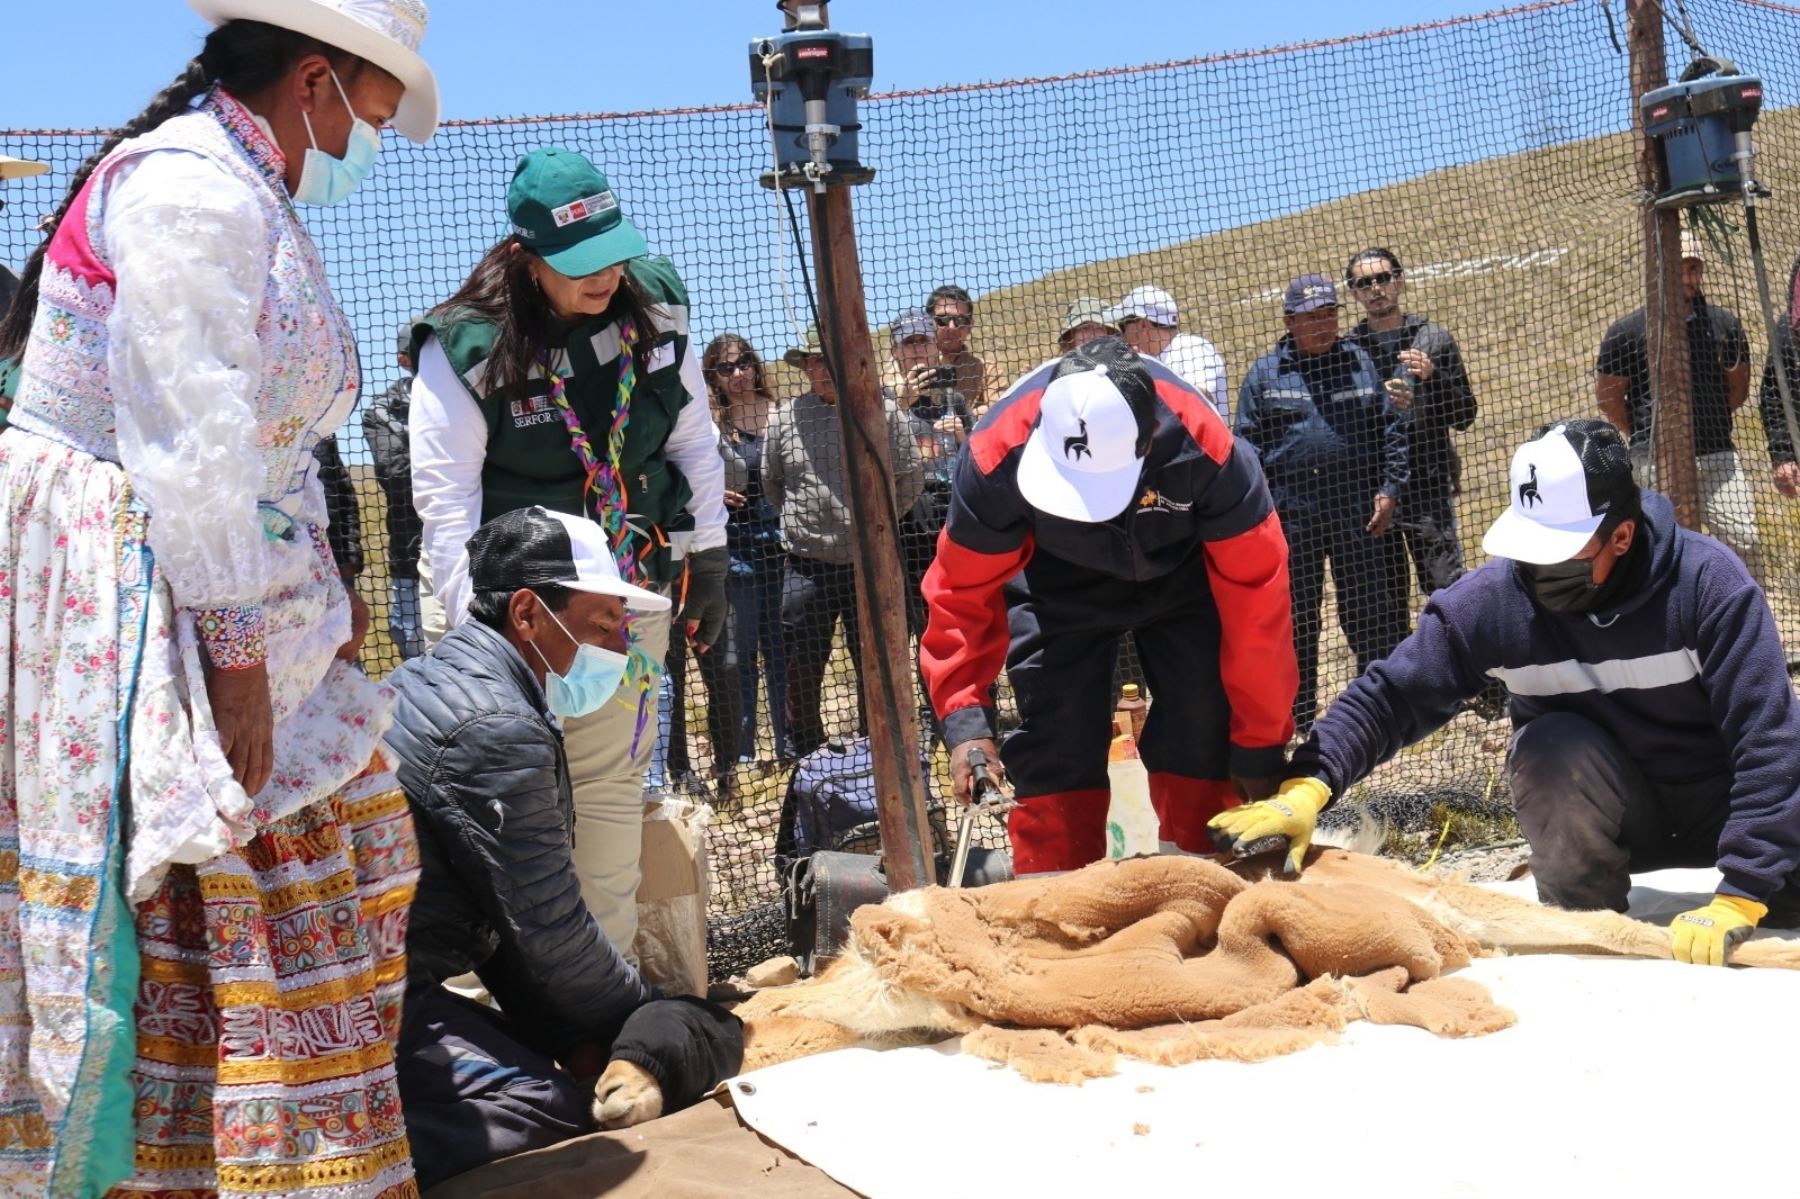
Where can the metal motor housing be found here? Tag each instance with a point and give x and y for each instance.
(829, 72)
(1696, 125)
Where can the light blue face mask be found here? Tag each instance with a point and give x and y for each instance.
(592, 678)
(326, 180)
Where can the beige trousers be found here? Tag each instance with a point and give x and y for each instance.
(1726, 503)
(608, 780)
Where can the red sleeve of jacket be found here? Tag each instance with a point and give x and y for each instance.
(986, 540)
(965, 641)
(1249, 575)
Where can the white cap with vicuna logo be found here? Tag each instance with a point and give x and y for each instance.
(1082, 461)
(1557, 503)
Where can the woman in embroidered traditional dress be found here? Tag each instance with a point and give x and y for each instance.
(560, 374)
(204, 870)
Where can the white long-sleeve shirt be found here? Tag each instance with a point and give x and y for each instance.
(448, 435)
(1194, 359)
(188, 246)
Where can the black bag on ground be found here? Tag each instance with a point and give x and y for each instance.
(828, 847)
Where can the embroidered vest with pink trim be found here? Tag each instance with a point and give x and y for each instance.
(309, 383)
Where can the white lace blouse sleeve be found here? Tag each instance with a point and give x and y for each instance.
(693, 446)
(448, 437)
(189, 247)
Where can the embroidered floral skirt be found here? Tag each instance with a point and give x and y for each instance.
(218, 1015)
(269, 1007)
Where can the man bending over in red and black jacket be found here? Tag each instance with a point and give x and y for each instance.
(1103, 496)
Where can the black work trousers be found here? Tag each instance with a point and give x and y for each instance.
(724, 703)
(1369, 574)
(815, 597)
(473, 1089)
(1593, 818)
(1427, 520)
(477, 1087)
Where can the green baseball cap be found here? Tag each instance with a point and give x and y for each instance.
(563, 209)
(1086, 310)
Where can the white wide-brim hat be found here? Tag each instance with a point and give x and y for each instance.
(384, 32)
(21, 168)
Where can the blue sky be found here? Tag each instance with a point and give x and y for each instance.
(492, 61)
(985, 187)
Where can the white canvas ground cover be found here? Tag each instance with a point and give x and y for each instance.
(1586, 1095)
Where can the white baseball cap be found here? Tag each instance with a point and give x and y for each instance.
(1084, 459)
(1565, 482)
(535, 547)
(1147, 303)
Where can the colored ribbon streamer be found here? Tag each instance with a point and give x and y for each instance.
(606, 484)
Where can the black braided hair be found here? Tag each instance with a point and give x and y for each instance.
(244, 57)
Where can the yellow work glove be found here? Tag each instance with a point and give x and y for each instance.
(1705, 935)
(1290, 814)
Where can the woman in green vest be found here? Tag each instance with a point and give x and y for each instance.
(560, 374)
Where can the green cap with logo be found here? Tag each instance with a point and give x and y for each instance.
(563, 209)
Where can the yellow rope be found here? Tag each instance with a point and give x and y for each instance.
(1486, 796)
(1448, 816)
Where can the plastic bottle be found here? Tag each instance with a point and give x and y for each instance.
(1131, 823)
(1133, 707)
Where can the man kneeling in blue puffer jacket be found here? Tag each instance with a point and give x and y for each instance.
(481, 760)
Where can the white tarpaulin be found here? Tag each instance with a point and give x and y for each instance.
(1586, 1095)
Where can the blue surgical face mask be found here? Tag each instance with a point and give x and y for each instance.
(325, 180)
(592, 678)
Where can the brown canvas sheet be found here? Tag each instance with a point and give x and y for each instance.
(704, 1152)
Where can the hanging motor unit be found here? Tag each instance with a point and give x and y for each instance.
(1700, 127)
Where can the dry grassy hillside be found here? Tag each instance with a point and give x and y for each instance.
(1526, 259)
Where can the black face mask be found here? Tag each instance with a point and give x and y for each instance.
(1569, 587)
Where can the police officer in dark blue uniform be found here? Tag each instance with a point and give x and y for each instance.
(1335, 452)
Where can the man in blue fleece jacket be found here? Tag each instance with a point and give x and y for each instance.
(1654, 722)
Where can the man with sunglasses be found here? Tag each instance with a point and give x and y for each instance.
(1654, 725)
(953, 315)
(1422, 368)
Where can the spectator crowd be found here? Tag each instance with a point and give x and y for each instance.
(268, 925)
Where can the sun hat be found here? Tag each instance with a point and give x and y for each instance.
(563, 208)
(1564, 484)
(810, 348)
(21, 168)
(1084, 459)
(535, 547)
(384, 32)
(1086, 310)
